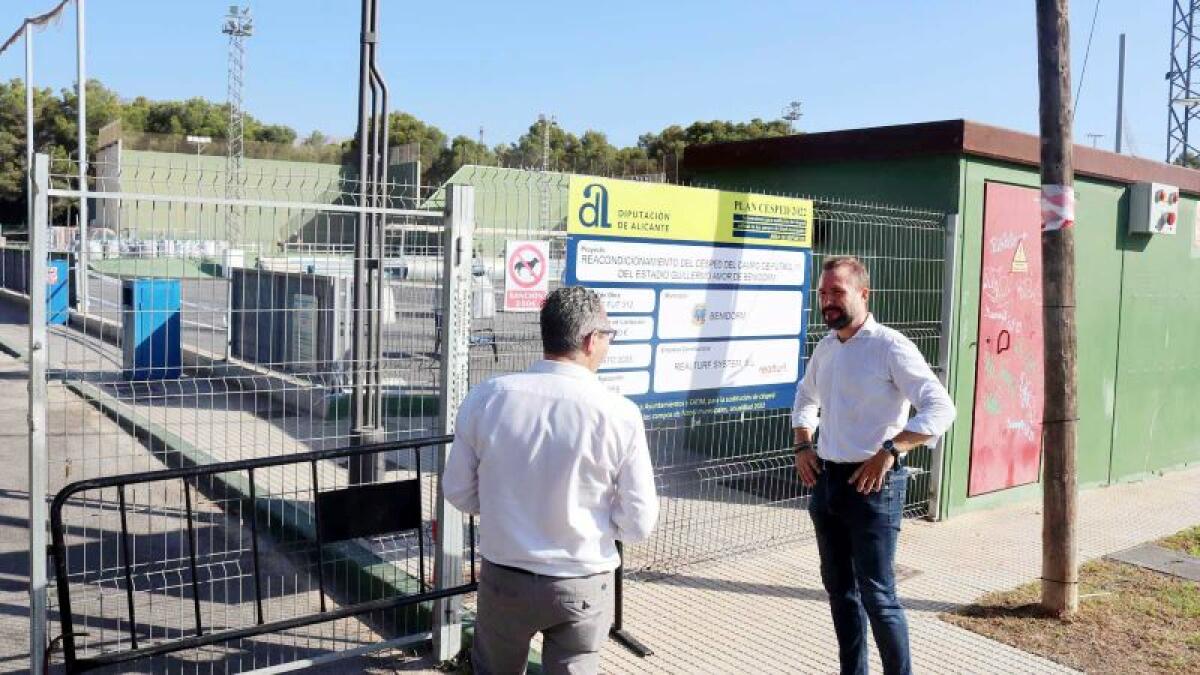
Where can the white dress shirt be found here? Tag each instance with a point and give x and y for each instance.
(557, 468)
(863, 388)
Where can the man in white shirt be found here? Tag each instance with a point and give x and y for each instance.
(557, 468)
(861, 378)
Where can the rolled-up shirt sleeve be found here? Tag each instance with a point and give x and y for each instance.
(635, 508)
(914, 377)
(460, 481)
(808, 401)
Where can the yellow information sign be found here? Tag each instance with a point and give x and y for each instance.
(619, 208)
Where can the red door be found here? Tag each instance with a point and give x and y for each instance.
(1007, 430)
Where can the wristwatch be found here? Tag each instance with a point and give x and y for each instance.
(890, 446)
(807, 445)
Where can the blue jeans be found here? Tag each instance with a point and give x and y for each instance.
(856, 536)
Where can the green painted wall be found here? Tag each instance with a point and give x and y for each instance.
(1101, 214)
(180, 174)
(1158, 371)
(926, 182)
(1138, 311)
(508, 205)
(142, 172)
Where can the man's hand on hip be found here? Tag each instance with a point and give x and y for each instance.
(808, 466)
(870, 476)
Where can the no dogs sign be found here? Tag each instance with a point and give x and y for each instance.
(526, 275)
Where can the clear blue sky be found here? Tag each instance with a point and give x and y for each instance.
(623, 67)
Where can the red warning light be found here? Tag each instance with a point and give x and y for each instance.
(1171, 219)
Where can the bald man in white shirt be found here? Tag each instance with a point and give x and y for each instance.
(558, 470)
(860, 382)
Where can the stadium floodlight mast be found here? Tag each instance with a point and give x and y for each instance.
(238, 26)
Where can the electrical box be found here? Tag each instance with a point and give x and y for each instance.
(150, 338)
(1154, 208)
(58, 292)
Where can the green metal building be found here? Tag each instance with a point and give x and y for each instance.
(1138, 294)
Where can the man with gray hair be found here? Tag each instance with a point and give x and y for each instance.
(557, 468)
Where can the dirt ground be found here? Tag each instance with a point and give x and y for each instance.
(1130, 620)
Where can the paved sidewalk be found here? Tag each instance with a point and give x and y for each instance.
(757, 612)
(768, 612)
(69, 415)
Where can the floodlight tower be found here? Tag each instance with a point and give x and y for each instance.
(1183, 102)
(238, 26)
(546, 122)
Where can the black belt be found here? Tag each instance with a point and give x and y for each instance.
(851, 467)
(510, 568)
(521, 570)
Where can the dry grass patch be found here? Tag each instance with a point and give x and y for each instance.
(1130, 620)
(1187, 541)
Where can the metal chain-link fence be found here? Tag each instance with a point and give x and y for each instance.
(192, 346)
(727, 481)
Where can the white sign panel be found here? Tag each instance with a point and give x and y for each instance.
(615, 261)
(632, 328)
(626, 356)
(704, 313)
(627, 300)
(629, 383)
(687, 366)
(526, 275)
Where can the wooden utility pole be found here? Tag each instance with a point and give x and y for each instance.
(1060, 570)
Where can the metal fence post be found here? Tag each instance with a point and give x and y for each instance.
(937, 463)
(81, 274)
(456, 324)
(37, 415)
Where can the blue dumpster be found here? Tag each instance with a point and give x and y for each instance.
(150, 329)
(58, 292)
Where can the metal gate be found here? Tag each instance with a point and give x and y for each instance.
(319, 531)
(198, 344)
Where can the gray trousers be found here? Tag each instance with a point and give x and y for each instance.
(573, 615)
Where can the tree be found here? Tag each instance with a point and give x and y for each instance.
(462, 151)
(671, 141)
(527, 151)
(404, 128)
(595, 154)
(274, 133)
(315, 140)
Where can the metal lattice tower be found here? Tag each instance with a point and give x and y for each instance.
(1183, 103)
(238, 26)
(545, 121)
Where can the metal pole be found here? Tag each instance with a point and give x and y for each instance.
(81, 261)
(28, 127)
(362, 469)
(617, 630)
(37, 417)
(379, 127)
(456, 302)
(1120, 91)
(937, 462)
(1187, 84)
